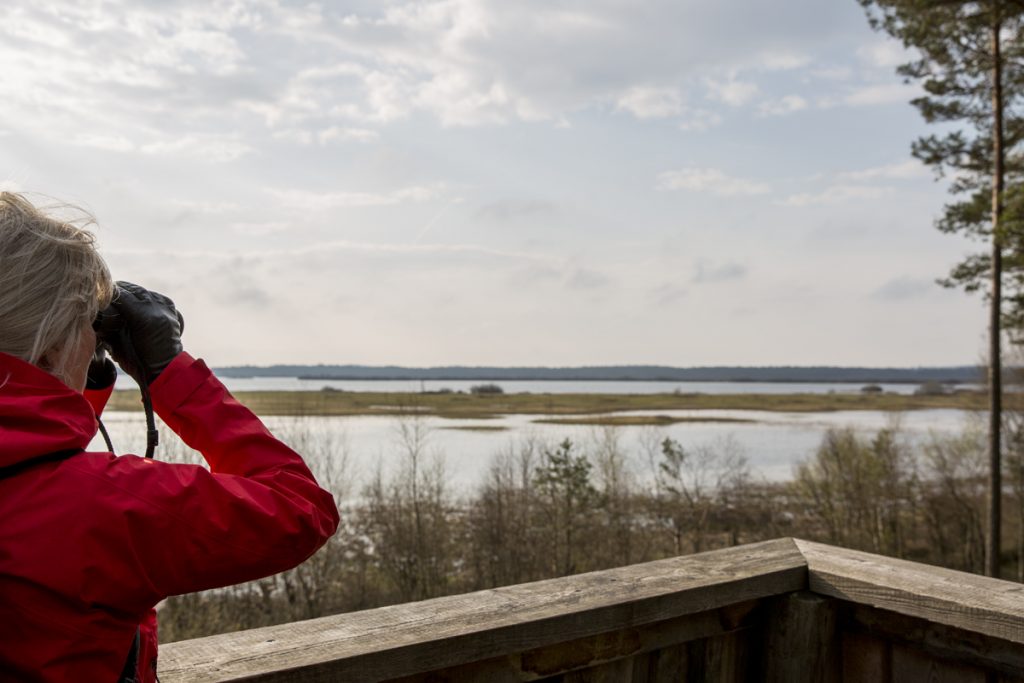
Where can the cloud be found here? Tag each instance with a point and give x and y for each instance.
(710, 180)
(706, 273)
(459, 102)
(299, 136)
(900, 170)
(903, 287)
(184, 77)
(533, 274)
(780, 107)
(646, 102)
(583, 278)
(426, 252)
(832, 73)
(210, 208)
(885, 54)
(339, 134)
(668, 294)
(431, 250)
(260, 229)
(514, 209)
(322, 201)
(248, 295)
(339, 107)
(325, 136)
(836, 194)
(698, 120)
(855, 185)
(887, 93)
(782, 60)
(211, 148)
(111, 143)
(732, 92)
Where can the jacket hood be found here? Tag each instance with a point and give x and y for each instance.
(39, 414)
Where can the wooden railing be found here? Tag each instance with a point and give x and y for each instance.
(783, 610)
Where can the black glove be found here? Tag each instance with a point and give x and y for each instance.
(148, 336)
(102, 372)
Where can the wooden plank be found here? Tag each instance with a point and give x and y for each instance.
(580, 653)
(620, 671)
(965, 601)
(498, 670)
(656, 637)
(653, 647)
(866, 659)
(721, 659)
(802, 640)
(910, 665)
(939, 641)
(644, 667)
(671, 664)
(402, 640)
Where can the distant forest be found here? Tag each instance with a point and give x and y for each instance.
(646, 373)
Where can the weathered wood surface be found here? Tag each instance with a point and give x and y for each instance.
(656, 651)
(910, 665)
(802, 640)
(866, 659)
(944, 596)
(687, 618)
(723, 659)
(403, 640)
(938, 640)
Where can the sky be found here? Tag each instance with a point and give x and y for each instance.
(484, 182)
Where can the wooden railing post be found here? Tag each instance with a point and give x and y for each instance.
(802, 640)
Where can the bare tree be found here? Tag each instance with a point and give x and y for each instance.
(861, 491)
(953, 498)
(503, 540)
(407, 517)
(615, 482)
(689, 482)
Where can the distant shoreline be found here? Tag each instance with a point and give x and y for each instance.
(410, 378)
(964, 374)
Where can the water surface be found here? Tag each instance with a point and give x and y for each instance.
(773, 442)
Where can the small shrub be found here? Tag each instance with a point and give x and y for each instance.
(931, 388)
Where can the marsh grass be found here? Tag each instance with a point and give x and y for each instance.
(483, 406)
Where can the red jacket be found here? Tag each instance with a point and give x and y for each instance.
(91, 542)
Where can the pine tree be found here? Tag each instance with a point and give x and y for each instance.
(971, 66)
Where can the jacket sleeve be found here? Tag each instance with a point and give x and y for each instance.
(183, 528)
(98, 398)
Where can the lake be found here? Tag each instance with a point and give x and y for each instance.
(773, 442)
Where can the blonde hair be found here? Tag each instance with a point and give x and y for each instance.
(53, 282)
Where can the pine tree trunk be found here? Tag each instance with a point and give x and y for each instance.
(992, 545)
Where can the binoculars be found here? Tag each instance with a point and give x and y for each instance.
(108, 325)
(112, 331)
(114, 334)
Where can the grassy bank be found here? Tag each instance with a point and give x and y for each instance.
(470, 406)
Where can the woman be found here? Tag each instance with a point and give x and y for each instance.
(89, 541)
